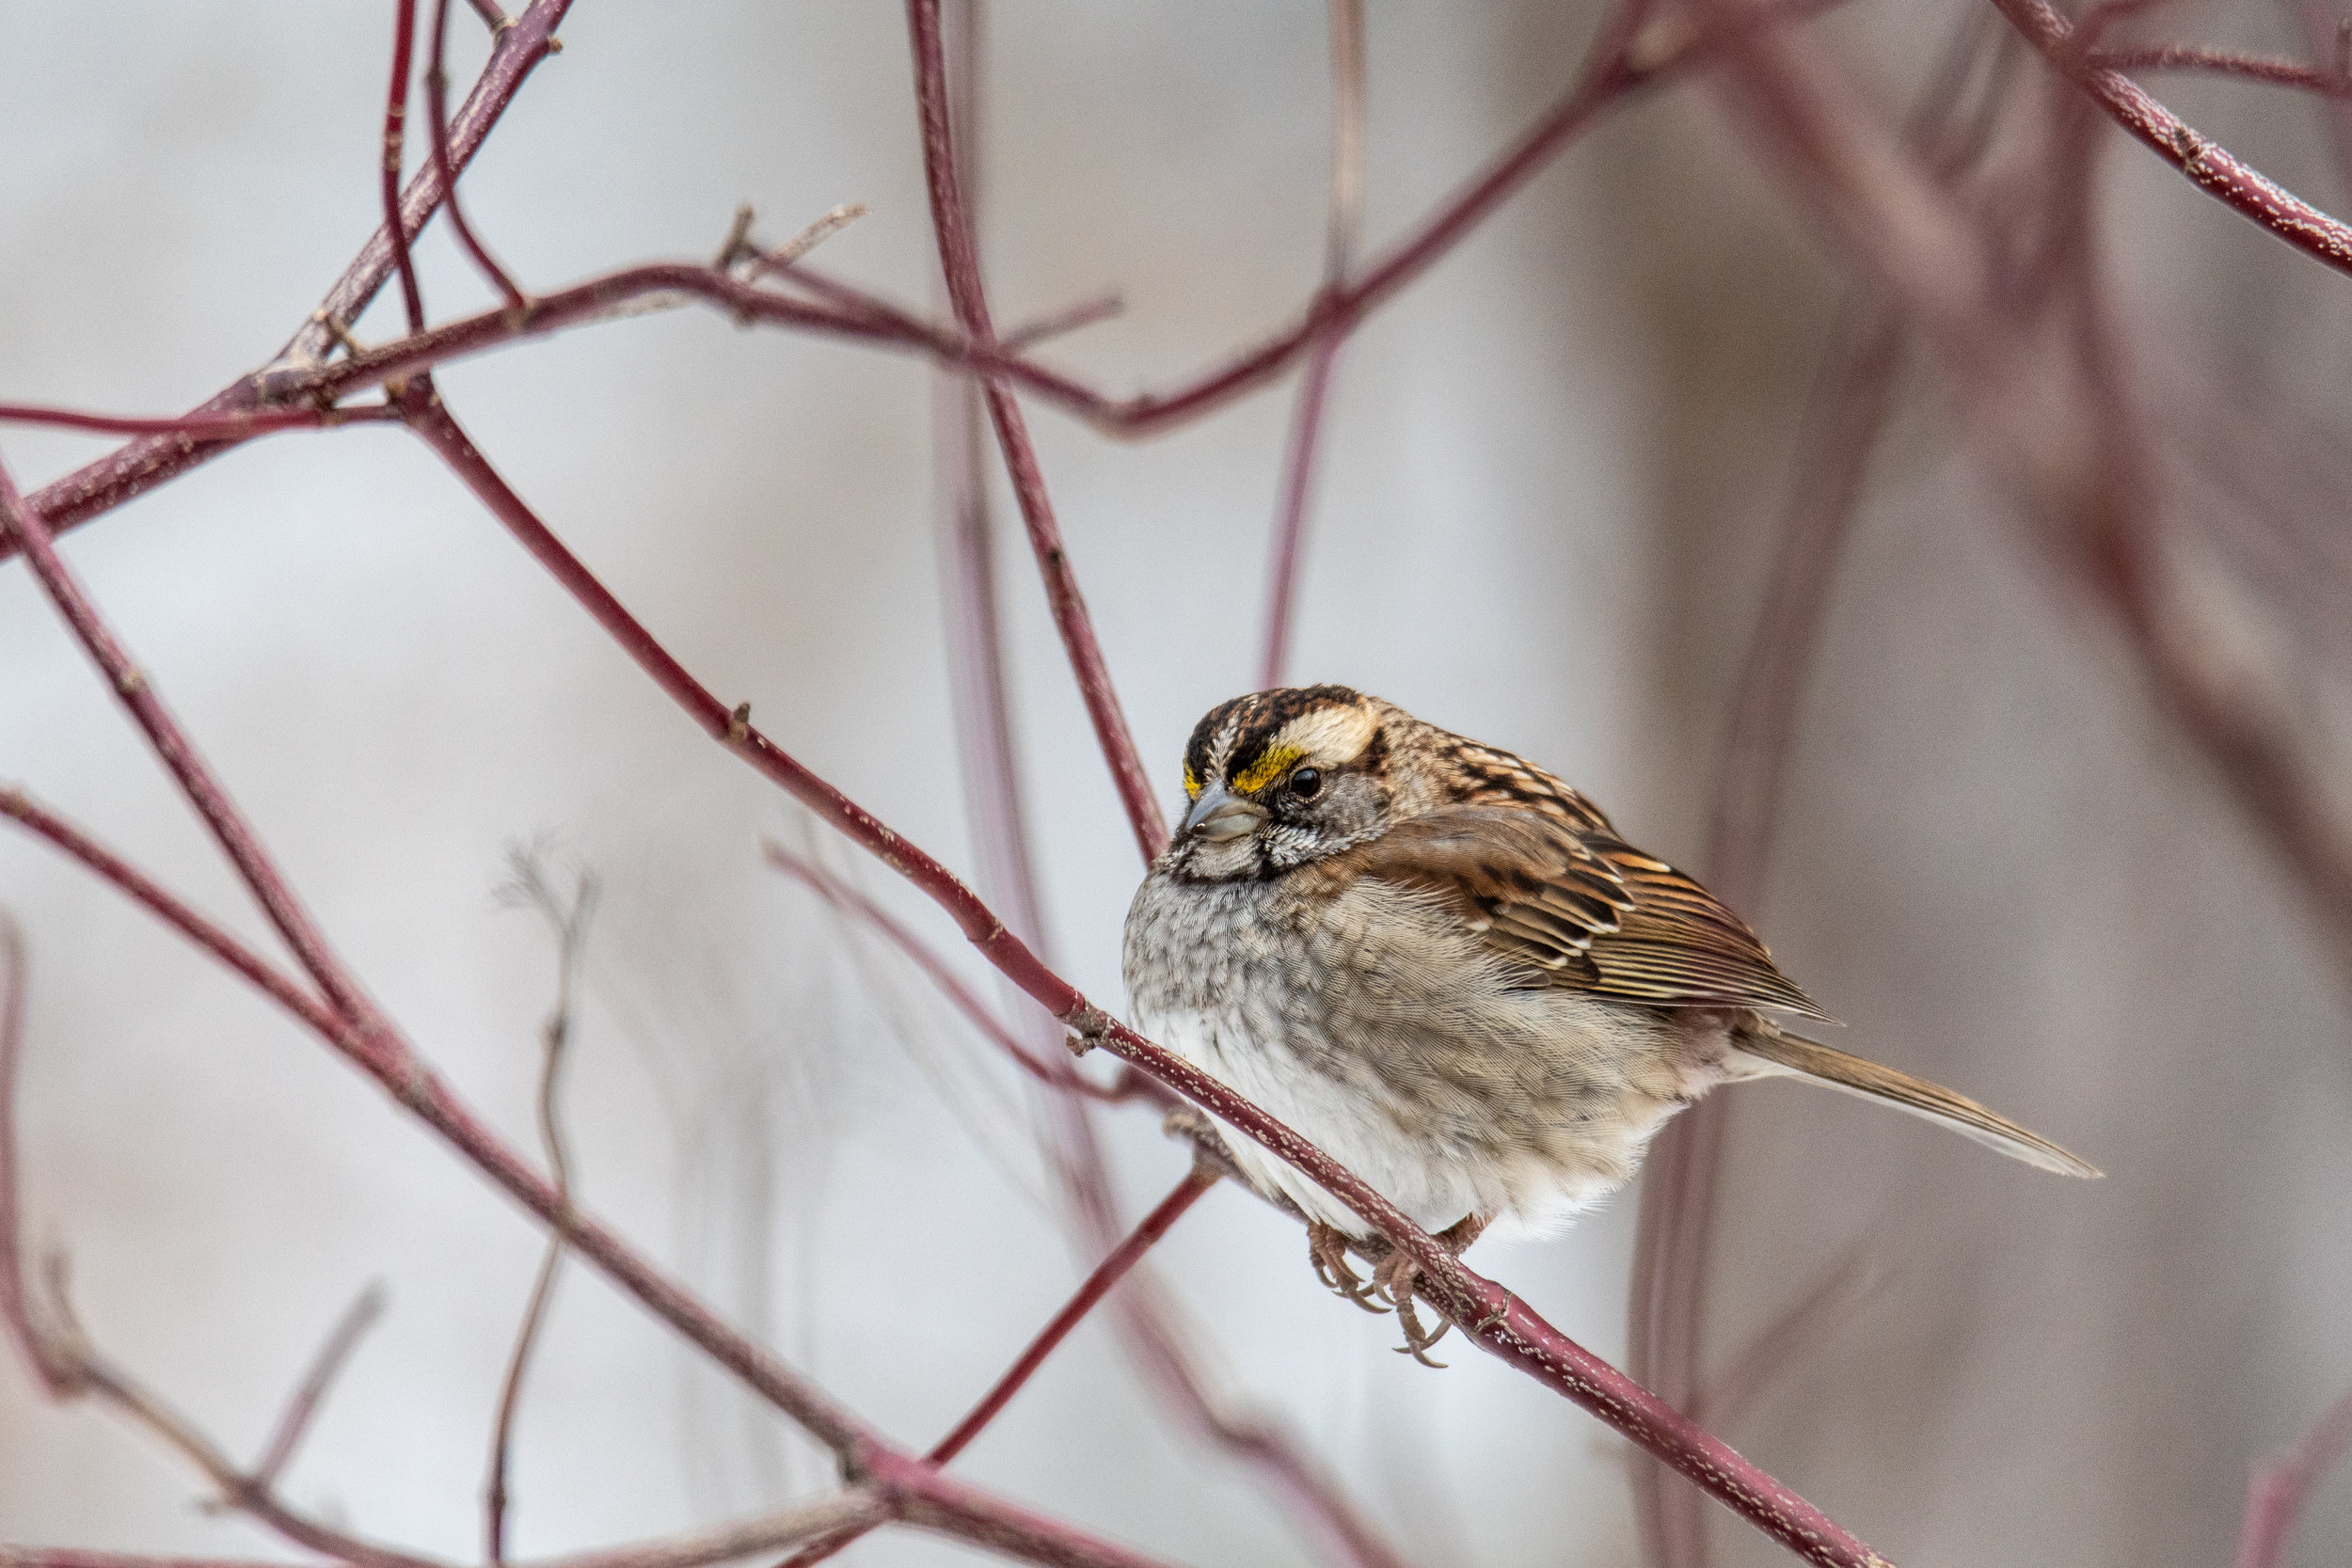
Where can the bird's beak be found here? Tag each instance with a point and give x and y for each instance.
(1220, 814)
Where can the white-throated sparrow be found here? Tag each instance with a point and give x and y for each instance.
(1443, 966)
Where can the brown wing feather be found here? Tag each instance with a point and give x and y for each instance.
(1582, 908)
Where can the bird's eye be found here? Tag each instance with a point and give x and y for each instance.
(1306, 785)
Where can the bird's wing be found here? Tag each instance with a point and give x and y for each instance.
(1581, 908)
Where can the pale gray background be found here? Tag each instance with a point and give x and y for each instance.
(1554, 473)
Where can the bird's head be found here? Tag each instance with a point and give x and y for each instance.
(1278, 778)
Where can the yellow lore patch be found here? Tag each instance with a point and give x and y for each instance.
(1192, 784)
(1271, 763)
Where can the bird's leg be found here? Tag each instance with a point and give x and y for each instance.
(1395, 1276)
(1456, 1238)
(1327, 1249)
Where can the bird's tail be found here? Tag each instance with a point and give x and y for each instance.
(1770, 1051)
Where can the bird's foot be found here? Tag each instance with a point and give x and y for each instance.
(1395, 1279)
(1396, 1276)
(1327, 1249)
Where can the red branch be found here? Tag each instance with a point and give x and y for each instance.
(99, 486)
(1623, 61)
(903, 1487)
(2207, 162)
(1497, 1321)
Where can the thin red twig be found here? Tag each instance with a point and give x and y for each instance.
(1099, 1284)
(222, 427)
(436, 108)
(960, 262)
(172, 747)
(395, 113)
(2266, 69)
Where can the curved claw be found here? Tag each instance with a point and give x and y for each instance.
(1326, 1251)
(1395, 1279)
(1418, 1339)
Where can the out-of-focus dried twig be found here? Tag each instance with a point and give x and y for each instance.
(2275, 1496)
(780, 260)
(18, 1307)
(567, 917)
(1838, 1293)
(310, 1392)
(1056, 1074)
(1070, 318)
(43, 1326)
